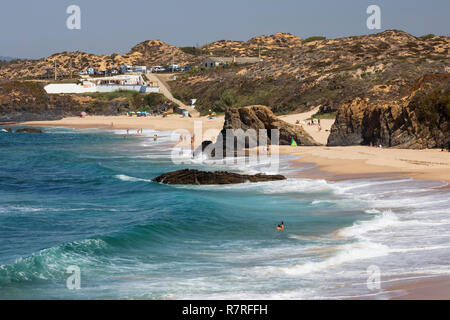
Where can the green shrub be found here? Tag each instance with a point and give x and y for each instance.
(314, 38)
(194, 51)
(154, 99)
(112, 95)
(427, 36)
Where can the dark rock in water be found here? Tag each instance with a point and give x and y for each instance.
(188, 176)
(29, 130)
(205, 144)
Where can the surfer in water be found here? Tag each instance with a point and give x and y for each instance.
(280, 227)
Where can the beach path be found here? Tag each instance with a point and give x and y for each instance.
(166, 92)
(320, 136)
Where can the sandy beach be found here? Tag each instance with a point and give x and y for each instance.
(320, 135)
(332, 162)
(169, 123)
(429, 288)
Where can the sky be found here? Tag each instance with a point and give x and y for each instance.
(35, 29)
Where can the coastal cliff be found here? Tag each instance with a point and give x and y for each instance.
(420, 119)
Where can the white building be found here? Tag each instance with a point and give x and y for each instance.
(140, 69)
(212, 62)
(104, 84)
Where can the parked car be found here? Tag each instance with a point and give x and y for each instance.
(158, 69)
(112, 71)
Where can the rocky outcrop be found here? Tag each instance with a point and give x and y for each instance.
(28, 130)
(419, 120)
(262, 118)
(196, 177)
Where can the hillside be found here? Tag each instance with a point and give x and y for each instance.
(147, 53)
(326, 72)
(267, 46)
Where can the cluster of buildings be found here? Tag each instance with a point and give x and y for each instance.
(124, 69)
(129, 77)
(212, 62)
(209, 62)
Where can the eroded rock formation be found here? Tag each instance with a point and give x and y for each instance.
(419, 120)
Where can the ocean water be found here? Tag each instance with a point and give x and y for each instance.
(85, 198)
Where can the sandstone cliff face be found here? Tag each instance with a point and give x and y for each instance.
(262, 118)
(419, 120)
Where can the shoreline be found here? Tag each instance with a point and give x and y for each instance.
(322, 162)
(169, 123)
(424, 288)
(332, 162)
(336, 163)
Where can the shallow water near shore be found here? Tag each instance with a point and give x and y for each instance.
(85, 198)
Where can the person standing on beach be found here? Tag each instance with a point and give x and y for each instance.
(192, 145)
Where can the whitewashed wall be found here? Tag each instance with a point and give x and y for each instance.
(56, 88)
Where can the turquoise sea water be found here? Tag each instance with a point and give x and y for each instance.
(85, 198)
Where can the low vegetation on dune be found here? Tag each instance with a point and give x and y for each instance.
(297, 75)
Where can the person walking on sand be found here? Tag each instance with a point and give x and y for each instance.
(192, 144)
(280, 227)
